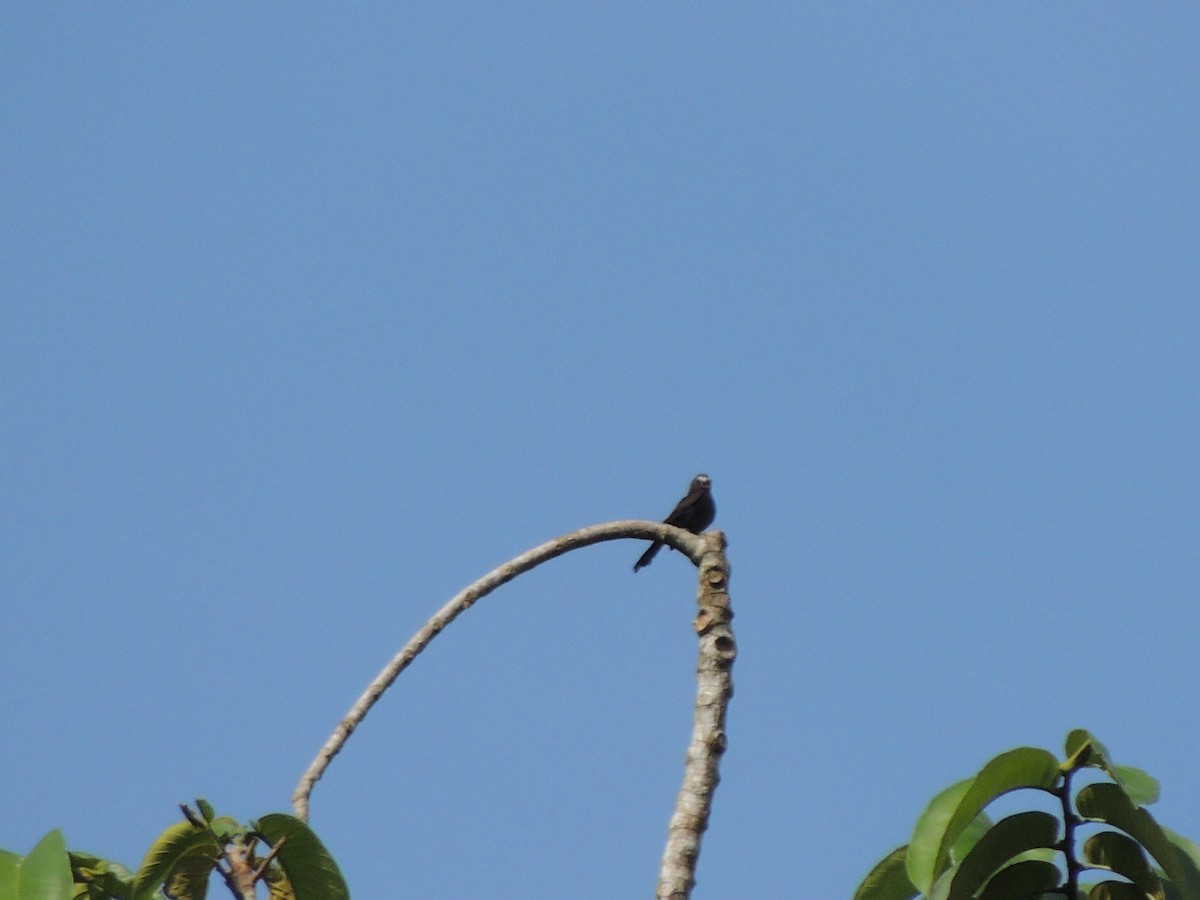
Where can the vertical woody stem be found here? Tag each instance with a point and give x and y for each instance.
(714, 688)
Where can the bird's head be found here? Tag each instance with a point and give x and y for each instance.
(702, 481)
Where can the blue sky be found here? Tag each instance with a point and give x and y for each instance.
(313, 315)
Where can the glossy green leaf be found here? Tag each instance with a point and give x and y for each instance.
(226, 829)
(970, 836)
(1141, 787)
(945, 883)
(45, 874)
(1109, 803)
(1188, 850)
(1123, 855)
(949, 813)
(206, 810)
(309, 868)
(188, 878)
(81, 860)
(1023, 879)
(1189, 858)
(183, 839)
(887, 881)
(10, 869)
(941, 887)
(1007, 839)
(1045, 854)
(1116, 890)
(278, 886)
(99, 877)
(1082, 749)
(924, 861)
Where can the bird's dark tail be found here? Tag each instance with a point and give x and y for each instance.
(645, 559)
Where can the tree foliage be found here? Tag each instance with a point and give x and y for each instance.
(1099, 844)
(277, 849)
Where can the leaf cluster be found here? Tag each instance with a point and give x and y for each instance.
(1100, 830)
(277, 849)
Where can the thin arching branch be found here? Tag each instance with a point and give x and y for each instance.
(693, 546)
(714, 688)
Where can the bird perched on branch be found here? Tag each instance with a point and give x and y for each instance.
(694, 512)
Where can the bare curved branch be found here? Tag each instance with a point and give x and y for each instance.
(693, 546)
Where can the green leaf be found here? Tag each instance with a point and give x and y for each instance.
(1189, 858)
(954, 808)
(309, 868)
(206, 810)
(1007, 839)
(1081, 748)
(1110, 804)
(887, 881)
(100, 877)
(970, 836)
(1188, 850)
(924, 860)
(10, 869)
(941, 887)
(45, 874)
(188, 879)
(227, 829)
(278, 887)
(1023, 879)
(183, 839)
(1115, 890)
(1123, 855)
(1142, 788)
(1084, 750)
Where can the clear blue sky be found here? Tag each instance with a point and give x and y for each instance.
(313, 314)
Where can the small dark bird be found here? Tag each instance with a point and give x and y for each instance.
(695, 512)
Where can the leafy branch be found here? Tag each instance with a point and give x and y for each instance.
(958, 853)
